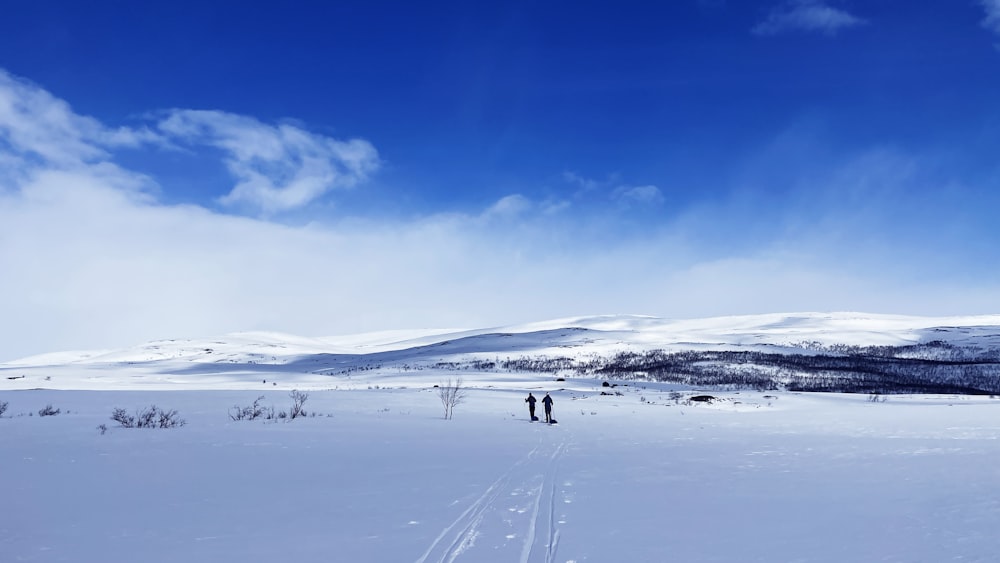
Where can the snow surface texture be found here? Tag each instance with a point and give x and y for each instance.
(637, 472)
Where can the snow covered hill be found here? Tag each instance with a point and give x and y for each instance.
(573, 346)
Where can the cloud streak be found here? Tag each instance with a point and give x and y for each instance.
(992, 20)
(806, 16)
(278, 168)
(36, 126)
(639, 195)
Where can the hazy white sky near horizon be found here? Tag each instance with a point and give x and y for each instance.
(190, 222)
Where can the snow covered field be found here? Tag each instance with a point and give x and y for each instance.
(379, 475)
(635, 472)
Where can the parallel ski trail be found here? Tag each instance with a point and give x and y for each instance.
(469, 519)
(529, 540)
(485, 521)
(548, 487)
(553, 544)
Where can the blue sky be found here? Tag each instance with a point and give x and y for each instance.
(184, 169)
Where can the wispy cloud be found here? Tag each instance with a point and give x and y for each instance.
(807, 16)
(509, 206)
(277, 167)
(642, 195)
(614, 189)
(585, 184)
(992, 20)
(37, 126)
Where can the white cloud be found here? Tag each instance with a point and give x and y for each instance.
(509, 206)
(992, 20)
(625, 194)
(806, 15)
(517, 206)
(640, 195)
(36, 126)
(95, 265)
(585, 184)
(277, 168)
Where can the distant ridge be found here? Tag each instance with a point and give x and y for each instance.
(638, 331)
(812, 351)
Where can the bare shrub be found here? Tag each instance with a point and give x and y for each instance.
(451, 394)
(122, 417)
(151, 417)
(168, 419)
(298, 399)
(48, 411)
(258, 411)
(252, 412)
(3, 407)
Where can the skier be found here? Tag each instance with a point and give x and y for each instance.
(531, 406)
(547, 401)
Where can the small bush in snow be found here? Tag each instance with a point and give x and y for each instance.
(48, 411)
(152, 417)
(258, 411)
(102, 428)
(3, 408)
(298, 399)
(122, 417)
(252, 412)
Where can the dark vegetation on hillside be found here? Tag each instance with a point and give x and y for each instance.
(935, 367)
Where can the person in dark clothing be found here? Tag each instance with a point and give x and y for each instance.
(547, 401)
(531, 405)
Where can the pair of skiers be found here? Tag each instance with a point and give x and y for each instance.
(546, 401)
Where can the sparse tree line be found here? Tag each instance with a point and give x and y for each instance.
(155, 417)
(903, 370)
(935, 350)
(47, 410)
(257, 411)
(147, 417)
(932, 367)
(450, 393)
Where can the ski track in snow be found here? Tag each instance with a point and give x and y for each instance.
(553, 537)
(461, 535)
